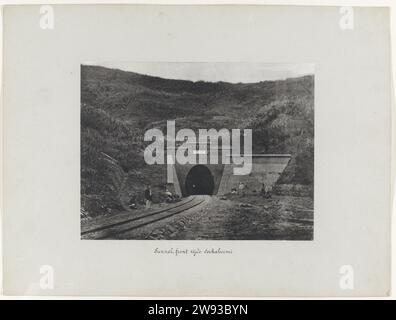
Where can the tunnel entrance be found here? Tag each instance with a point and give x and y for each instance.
(199, 180)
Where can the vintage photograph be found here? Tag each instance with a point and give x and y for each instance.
(197, 151)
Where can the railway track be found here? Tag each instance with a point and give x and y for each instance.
(120, 227)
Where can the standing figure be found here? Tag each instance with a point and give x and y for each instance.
(148, 195)
(241, 188)
(263, 190)
(268, 191)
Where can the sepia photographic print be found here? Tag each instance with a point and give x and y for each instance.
(197, 151)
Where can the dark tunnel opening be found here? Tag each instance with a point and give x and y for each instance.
(199, 180)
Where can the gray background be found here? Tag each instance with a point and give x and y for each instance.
(41, 218)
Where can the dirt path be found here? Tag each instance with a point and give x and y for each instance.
(249, 217)
(245, 218)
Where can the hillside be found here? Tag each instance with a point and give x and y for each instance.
(117, 107)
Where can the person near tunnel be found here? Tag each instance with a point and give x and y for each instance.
(148, 195)
(241, 188)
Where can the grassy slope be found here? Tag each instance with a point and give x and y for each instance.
(117, 107)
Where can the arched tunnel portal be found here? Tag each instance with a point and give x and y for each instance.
(199, 180)
(219, 179)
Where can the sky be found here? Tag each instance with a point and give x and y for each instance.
(233, 72)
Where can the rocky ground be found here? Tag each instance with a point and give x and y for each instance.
(235, 217)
